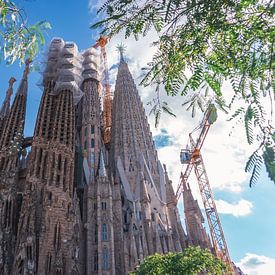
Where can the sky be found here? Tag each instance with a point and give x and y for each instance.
(247, 214)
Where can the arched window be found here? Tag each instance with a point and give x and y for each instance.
(105, 258)
(103, 205)
(104, 232)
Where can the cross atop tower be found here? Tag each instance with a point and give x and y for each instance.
(121, 49)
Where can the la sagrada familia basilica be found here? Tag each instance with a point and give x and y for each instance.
(86, 194)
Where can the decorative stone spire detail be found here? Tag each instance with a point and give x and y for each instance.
(194, 220)
(6, 104)
(121, 49)
(23, 86)
(102, 170)
(16, 118)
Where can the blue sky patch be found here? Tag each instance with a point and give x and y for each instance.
(163, 139)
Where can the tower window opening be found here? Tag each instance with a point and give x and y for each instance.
(65, 166)
(92, 129)
(104, 232)
(92, 142)
(125, 218)
(9, 213)
(105, 258)
(29, 253)
(57, 237)
(85, 131)
(58, 180)
(59, 162)
(49, 263)
(53, 160)
(44, 166)
(104, 205)
(96, 233)
(96, 261)
(50, 196)
(92, 157)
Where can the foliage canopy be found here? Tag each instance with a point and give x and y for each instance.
(18, 40)
(201, 46)
(192, 261)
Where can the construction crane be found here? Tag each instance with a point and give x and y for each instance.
(107, 97)
(193, 158)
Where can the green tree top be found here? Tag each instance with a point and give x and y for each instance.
(18, 40)
(191, 261)
(201, 45)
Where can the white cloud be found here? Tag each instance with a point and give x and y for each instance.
(241, 208)
(254, 264)
(94, 5)
(224, 156)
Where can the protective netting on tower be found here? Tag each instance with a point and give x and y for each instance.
(91, 64)
(67, 67)
(69, 71)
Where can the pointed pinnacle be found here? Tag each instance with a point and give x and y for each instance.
(27, 68)
(121, 49)
(10, 90)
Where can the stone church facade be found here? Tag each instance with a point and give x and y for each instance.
(71, 203)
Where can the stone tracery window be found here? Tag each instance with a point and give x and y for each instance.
(104, 232)
(105, 258)
(104, 205)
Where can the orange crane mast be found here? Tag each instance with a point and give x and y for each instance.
(106, 97)
(193, 158)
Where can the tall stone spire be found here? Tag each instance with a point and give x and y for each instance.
(89, 117)
(9, 171)
(16, 119)
(131, 141)
(179, 238)
(23, 86)
(194, 220)
(49, 196)
(4, 111)
(6, 104)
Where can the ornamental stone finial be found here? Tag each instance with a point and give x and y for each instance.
(121, 49)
